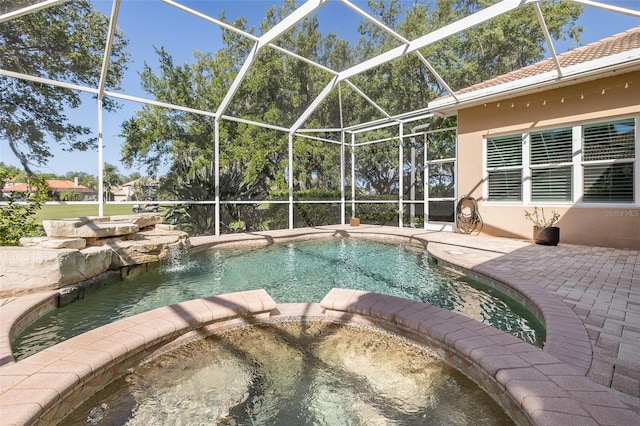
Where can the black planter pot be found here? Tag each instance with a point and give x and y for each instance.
(546, 235)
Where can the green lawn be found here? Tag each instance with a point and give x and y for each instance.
(79, 210)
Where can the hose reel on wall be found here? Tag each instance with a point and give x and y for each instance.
(468, 219)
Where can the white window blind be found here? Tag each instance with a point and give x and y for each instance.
(609, 141)
(609, 161)
(505, 185)
(504, 161)
(551, 153)
(607, 156)
(504, 151)
(608, 183)
(551, 184)
(552, 146)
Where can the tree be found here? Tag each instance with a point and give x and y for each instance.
(64, 42)
(316, 165)
(133, 176)
(276, 91)
(15, 173)
(145, 189)
(84, 179)
(193, 180)
(111, 177)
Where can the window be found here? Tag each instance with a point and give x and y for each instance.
(595, 162)
(504, 164)
(551, 155)
(608, 161)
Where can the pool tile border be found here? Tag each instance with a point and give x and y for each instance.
(567, 337)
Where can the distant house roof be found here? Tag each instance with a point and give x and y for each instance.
(615, 52)
(55, 185)
(17, 187)
(67, 185)
(613, 45)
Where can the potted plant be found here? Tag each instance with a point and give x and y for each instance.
(544, 231)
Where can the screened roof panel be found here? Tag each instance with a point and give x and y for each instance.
(485, 51)
(25, 53)
(327, 114)
(177, 43)
(419, 40)
(357, 106)
(224, 11)
(12, 6)
(387, 85)
(618, 44)
(595, 13)
(265, 94)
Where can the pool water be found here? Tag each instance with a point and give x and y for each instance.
(295, 272)
(293, 373)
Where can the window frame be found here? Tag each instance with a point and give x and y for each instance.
(508, 168)
(577, 166)
(530, 167)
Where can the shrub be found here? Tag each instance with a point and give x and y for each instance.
(18, 218)
(71, 195)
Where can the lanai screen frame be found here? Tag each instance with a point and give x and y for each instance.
(267, 40)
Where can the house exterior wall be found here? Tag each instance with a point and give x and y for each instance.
(609, 225)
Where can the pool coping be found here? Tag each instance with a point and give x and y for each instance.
(46, 386)
(533, 386)
(567, 340)
(17, 313)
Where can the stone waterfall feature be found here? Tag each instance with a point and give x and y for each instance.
(78, 249)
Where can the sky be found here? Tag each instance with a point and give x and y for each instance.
(149, 23)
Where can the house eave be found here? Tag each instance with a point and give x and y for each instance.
(612, 65)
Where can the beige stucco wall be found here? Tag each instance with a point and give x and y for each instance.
(608, 98)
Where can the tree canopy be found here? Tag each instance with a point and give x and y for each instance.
(65, 42)
(278, 88)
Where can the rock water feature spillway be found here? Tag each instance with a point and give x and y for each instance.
(78, 249)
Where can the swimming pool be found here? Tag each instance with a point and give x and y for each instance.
(301, 271)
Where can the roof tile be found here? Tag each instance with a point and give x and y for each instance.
(56, 185)
(619, 43)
